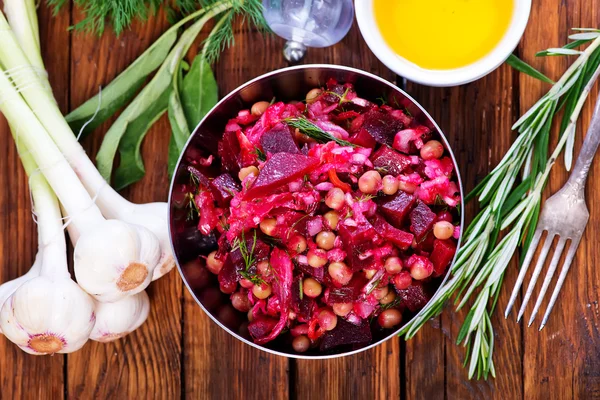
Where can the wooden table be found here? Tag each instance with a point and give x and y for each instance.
(180, 352)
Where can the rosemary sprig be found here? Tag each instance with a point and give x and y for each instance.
(482, 260)
(313, 131)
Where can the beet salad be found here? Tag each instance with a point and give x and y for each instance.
(332, 216)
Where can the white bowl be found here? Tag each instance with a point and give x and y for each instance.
(450, 77)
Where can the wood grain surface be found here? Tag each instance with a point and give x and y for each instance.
(180, 353)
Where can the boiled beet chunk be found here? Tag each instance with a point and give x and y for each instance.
(224, 187)
(426, 243)
(390, 160)
(442, 255)
(228, 276)
(230, 153)
(382, 126)
(279, 170)
(202, 179)
(279, 139)
(398, 237)
(349, 293)
(303, 307)
(261, 326)
(364, 139)
(415, 297)
(357, 241)
(346, 333)
(317, 273)
(421, 220)
(397, 207)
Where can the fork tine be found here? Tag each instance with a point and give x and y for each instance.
(553, 264)
(526, 262)
(536, 273)
(561, 280)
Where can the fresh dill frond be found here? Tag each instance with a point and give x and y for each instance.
(313, 131)
(382, 170)
(247, 254)
(365, 198)
(118, 14)
(99, 14)
(254, 278)
(382, 101)
(392, 304)
(251, 11)
(374, 286)
(260, 154)
(193, 210)
(342, 97)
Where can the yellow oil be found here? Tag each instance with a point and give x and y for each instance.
(443, 34)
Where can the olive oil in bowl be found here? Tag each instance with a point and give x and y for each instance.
(443, 34)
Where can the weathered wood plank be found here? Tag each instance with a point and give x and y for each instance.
(562, 360)
(23, 376)
(147, 363)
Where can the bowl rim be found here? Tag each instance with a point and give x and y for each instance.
(234, 93)
(442, 78)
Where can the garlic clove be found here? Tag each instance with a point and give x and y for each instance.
(8, 288)
(115, 259)
(118, 319)
(153, 216)
(47, 316)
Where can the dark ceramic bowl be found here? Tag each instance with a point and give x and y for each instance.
(285, 84)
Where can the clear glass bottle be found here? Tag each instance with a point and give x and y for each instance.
(308, 23)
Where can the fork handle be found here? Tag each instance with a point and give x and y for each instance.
(580, 173)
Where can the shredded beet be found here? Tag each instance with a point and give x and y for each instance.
(282, 268)
(304, 226)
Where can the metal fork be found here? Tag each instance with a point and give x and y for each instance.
(564, 215)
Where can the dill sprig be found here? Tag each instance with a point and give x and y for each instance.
(120, 14)
(365, 197)
(248, 257)
(260, 154)
(251, 11)
(313, 131)
(242, 246)
(342, 97)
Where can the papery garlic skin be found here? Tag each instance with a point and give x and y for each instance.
(110, 276)
(47, 316)
(115, 320)
(8, 288)
(152, 216)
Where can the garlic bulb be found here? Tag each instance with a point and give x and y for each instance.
(8, 288)
(152, 216)
(112, 275)
(49, 313)
(116, 259)
(115, 320)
